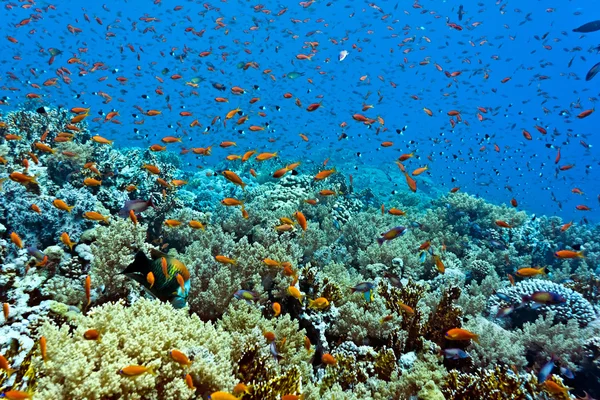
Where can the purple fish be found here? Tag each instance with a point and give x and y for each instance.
(274, 352)
(546, 298)
(567, 373)
(138, 206)
(503, 312)
(391, 234)
(455, 354)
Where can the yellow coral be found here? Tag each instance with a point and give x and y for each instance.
(141, 334)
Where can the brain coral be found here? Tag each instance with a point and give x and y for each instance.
(142, 334)
(575, 307)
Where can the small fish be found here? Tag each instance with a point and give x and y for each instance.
(295, 293)
(461, 334)
(276, 309)
(342, 55)
(391, 234)
(529, 271)
(246, 295)
(366, 288)
(547, 298)
(135, 370)
(328, 359)
(273, 348)
(546, 370)
(91, 334)
(180, 358)
(569, 254)
(137, 206)
(318, 304)
(455, 354)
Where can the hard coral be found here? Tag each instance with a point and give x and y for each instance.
(142, 334)
(575, 306)
(499, 383)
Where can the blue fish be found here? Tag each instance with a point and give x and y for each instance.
(567, 373)
(455, 354)
(546, 370)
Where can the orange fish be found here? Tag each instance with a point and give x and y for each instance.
(566, 226)
(328, 359)
(67, 240)
(529, 271)
(179, 357)
(569, 254)
(88, 288)
(153, 169)
(6, 310)
(92, 182)
(419, 171)
(461, 334)
(265, 156)
(503, 224)
(225, 260)
(234, 178)
(16, 240)
(135, 370)
(95, 216)
(324, 174)
(150, 278)
(276, 309)
(101, 140)
(412, 184)
(61, 205)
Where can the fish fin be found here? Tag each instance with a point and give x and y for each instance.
(139, 264)
(476, 338)
(156, 254)
(380, 241)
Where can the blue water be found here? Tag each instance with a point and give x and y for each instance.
(503, 45)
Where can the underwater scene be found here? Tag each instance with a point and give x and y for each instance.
(337, 200)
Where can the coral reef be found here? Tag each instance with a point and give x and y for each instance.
(290, 292)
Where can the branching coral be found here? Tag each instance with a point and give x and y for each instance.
(89, 369)
(114, 249)
(499, 383)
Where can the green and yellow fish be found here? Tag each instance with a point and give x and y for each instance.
(166, 287)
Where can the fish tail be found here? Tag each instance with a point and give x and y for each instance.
(476, 338)
(580, 254)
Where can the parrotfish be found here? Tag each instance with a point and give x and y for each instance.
(165, 287)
